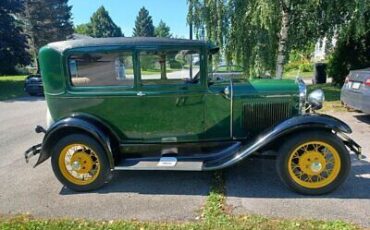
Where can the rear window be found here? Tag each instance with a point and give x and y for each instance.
(101, 69)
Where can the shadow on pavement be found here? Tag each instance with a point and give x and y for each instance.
(365, 118)
(257, 178)
(25, 99)
(252, 178)
(155, 183)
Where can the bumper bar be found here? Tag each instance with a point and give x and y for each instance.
(31, 152)
(352, 145)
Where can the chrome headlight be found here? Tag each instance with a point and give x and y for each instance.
(316, 99)
(302, 95)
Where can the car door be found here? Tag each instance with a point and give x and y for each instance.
(102, 86)
(172, 95)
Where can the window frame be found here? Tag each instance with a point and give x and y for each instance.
(202, 64)
(98, 88)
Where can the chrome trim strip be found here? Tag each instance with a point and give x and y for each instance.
(281, 95)
(231, 108)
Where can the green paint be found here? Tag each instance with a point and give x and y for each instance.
(178, 112)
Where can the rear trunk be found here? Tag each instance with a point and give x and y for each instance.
(359, 75)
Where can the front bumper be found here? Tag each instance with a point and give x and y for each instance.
(352, 145)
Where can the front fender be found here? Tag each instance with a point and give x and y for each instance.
(70, 125)
(298, 123)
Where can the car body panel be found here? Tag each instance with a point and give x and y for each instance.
(355, 93)
(231, 117)
(196, 112)
(33, 85)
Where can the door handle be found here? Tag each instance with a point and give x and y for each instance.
(140, 94)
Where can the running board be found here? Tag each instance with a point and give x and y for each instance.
(181, 163)
(164, 163)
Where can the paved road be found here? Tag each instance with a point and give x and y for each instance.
(131, 195)
(252, 187)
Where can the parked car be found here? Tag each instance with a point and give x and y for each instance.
(33, 85)
(127, 109)
(356, 90)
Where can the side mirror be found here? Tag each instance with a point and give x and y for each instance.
(316, 99)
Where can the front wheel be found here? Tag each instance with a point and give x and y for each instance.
(313, 163)
(80, 163)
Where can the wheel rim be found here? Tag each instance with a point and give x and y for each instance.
(314, 164)
(79, 164)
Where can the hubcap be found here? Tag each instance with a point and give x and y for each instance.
(79, 164)
(314, 164)
(316, 167)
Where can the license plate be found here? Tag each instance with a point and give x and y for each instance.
(356, 85)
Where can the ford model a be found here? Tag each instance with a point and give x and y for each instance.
(154, 104)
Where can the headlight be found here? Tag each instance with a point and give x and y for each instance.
(302, 95)
(316, 99)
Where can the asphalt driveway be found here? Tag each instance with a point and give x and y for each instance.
(252, 187)
(131, 195)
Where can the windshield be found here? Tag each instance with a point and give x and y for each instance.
(223, 71)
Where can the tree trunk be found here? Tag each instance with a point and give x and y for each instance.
(283, 37)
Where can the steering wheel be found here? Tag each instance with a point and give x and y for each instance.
(195, 79)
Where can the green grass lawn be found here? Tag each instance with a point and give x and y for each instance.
(226, 223)
(293, 74)
(332, 97)
(11, 87)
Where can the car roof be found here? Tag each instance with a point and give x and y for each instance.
(126, 41)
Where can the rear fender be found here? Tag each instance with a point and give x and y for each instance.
(72, 125)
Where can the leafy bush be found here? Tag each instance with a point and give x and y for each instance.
(351, 53)
(175, 64)
(304, 66)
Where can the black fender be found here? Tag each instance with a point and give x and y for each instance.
(286, 127)
(75, 124)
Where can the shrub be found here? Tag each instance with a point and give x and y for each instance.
(175, 64)
(304, 66)
(351, 53)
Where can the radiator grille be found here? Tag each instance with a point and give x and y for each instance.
(261, 115)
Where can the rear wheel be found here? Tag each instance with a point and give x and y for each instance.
(313, 163)
(80, 163)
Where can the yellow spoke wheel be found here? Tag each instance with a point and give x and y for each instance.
(79, 164)
(314, 164)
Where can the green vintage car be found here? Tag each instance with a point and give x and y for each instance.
(153, 104)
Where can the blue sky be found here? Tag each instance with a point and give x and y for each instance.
(124, 12)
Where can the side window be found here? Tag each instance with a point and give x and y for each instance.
(101, 69)
(169, 67)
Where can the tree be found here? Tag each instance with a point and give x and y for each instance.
(13, 43)
(352, 48)
(162, 30)
(260, 33)
(47, 21)
(83, 29)
(143, 24)
(102, 25)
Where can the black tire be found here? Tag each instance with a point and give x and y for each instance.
(104, 174)
(294, 142)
